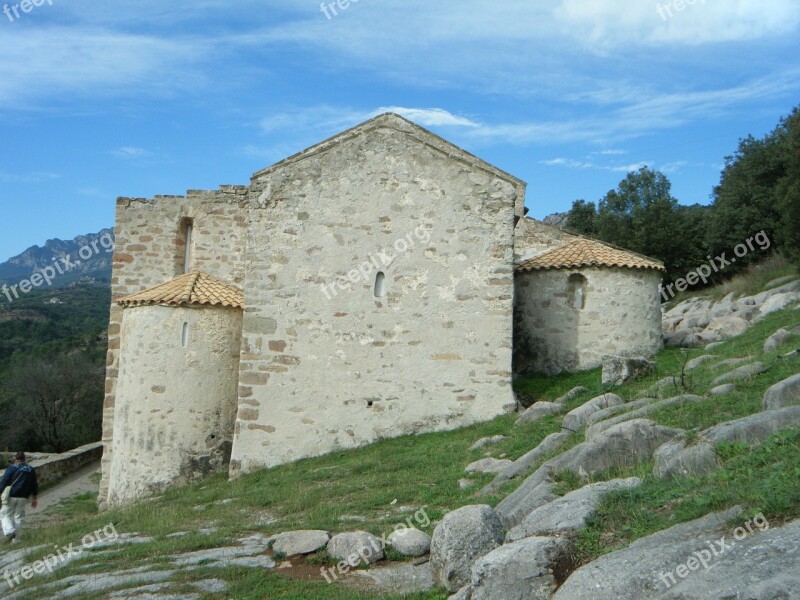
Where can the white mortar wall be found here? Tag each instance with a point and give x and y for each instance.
(175, 406)
(622, 317)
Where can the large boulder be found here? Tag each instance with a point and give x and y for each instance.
(696, 362)
(293, 543)
(640, 412)
(525, 462)
(754, 428)
(576, 419)
(619, 369)
(410, 542)
(358, 547)
(570, 512)
(776, 340)
(705, 559)
(776, 303)
(674, 459)
(624, 445)
(782, 394)
(726, 327)
(523, 570)
(459, 539)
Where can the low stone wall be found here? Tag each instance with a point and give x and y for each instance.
(56, 466)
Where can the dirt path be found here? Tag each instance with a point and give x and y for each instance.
(75, 484)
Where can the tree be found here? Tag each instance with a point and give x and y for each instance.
(788, 189)
(54, 405)
(582, 217)
(643, 216)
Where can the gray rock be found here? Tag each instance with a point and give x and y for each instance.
(674, 459)
(776, 340)
(525, 462)
(726, 327)
(211, 586)
(722, 390)
(732, 362)
(782, 394)
(537, 490)
(356, 548)
(570, 512)
(217, 556)
(398, 579)
(293, 543)
(487, 441)
(683, 338)
(576, 419)
(461, 537)
(538, 411)
(776, 303)
(618, 369)
(464, 593)
(465, 483)
(623, 445)
(522, 570)
(488, 465)
(780, 281)
(755, 428)
(641, 412)
(571, 395)
(410, 542)
(612, 411)
(741, 374)
(664, 385)
(714, 345)
(696, 362)
(678, 563)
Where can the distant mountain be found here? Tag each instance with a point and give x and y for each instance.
(86, 259)
(556, 219)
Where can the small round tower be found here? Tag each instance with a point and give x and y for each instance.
(178, 385)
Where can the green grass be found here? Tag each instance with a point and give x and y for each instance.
(392, 481)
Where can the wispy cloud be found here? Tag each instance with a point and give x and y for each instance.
(32, 177)
(132, 152)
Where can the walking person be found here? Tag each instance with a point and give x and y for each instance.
(20, 481)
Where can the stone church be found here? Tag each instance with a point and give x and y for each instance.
(381, 283)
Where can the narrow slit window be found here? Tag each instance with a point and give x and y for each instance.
(576, 291)
(187, 248)
(380, 285)
(185, 335)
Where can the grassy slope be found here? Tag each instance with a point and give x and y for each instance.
(376, 483)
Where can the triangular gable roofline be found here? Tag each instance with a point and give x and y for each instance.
(406, 126)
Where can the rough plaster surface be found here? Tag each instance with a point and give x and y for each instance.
(621, 317)
(174, 412)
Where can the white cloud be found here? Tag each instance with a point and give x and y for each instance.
(131, 152)
(32, 177)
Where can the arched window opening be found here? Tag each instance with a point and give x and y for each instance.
(576, 291)
(380, 285)
(185, 335)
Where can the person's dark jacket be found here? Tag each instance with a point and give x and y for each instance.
(25, 478)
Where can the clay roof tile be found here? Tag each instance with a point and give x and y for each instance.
(196, 287)
(588, 253)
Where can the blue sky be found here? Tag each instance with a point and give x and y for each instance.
(99, 100)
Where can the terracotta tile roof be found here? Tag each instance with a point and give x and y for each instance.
(195, 287)
(588, 253)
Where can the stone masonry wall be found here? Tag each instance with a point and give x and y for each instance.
(622, 317)
(148, 252)
(175, 405)
(534, 237)
(325, 367)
